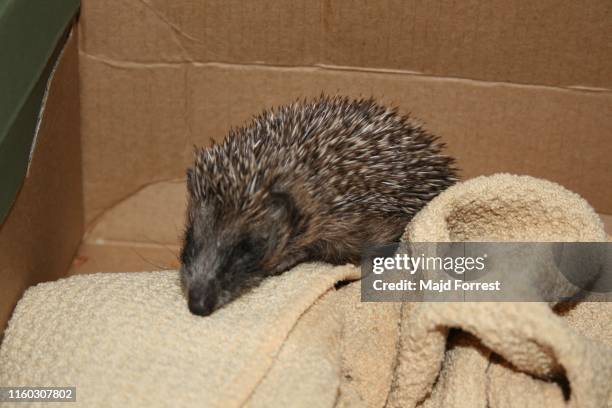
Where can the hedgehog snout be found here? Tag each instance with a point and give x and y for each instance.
(203, 299)
(201, 287)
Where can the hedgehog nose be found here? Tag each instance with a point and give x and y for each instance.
(202, 303)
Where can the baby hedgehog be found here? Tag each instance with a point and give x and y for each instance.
(312, 181)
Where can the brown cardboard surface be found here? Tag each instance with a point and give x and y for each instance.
(152, 215)
(42, 231)
(141, 233)
(141, 120)
(544, 42)
(123, 257)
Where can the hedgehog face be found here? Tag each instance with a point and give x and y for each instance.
(218, 263)
(216, 270)
(226, 253)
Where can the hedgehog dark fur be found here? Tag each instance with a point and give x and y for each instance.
(312, 181)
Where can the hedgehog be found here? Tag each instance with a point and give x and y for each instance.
(316, 180)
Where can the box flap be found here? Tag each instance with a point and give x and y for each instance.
(28, 57)
(45, 224)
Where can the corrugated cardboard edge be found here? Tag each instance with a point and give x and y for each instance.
(43, 104)
(45, 224)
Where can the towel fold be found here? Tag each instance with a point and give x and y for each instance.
(505, 354)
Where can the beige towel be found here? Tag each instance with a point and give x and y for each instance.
(506, 354)
(128, 340)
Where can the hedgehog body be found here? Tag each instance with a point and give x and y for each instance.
(311, 181)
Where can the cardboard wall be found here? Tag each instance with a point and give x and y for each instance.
(544, 42)
(45, 224)
(517, 86)
(141, 233)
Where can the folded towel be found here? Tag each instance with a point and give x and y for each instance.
(505, 354)
(128, 339)
(505, 207)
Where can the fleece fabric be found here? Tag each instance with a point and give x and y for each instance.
(303, 340)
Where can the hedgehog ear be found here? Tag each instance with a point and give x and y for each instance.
(283, 207)
(283, 213)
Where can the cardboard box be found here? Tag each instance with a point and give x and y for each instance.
(521, 87)
(41, 215)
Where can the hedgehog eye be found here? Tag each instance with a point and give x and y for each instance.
(247, 249)
(242, 249)
(245, 245)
